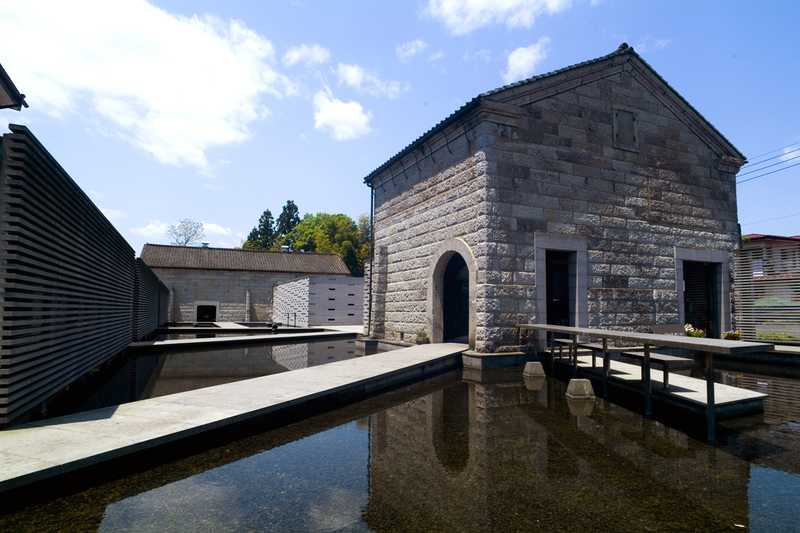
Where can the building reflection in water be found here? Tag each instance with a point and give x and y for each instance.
(489, 453)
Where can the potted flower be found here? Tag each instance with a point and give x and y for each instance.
(732, 335)
(692, 331)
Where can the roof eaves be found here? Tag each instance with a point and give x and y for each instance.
(13, 92)
(474, 102)
(623, 49)
(685, 102)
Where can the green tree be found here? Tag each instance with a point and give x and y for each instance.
(288, 219)
(330, 233)
(262, 237)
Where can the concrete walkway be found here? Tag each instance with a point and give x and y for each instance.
(272, 338)
(46, 449)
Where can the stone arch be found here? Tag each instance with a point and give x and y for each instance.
(441, 258)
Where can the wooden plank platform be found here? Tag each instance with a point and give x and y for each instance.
(49, 448)
(682, 388)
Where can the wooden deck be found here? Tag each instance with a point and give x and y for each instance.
(686, 390)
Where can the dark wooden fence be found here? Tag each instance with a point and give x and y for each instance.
(151, 302)
(67, 279)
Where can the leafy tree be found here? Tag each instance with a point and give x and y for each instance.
(288, 219)
(329, 233)
(262, 237)
(186, 232)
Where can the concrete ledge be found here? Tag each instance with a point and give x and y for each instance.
(65, 445)
(478, 360)
(277, 338)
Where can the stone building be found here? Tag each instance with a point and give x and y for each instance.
(587, 196)
(232, 285)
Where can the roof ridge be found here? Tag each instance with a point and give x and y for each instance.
(237, 249)
(623, 49)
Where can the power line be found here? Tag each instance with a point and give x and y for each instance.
(790, 145)
(751, 178)
(768, 166)
(777, 156)
(770, 219)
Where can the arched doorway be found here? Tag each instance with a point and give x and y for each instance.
(451, 293)
(455, 300)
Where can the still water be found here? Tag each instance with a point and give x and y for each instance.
(465, 452)
(137, 376)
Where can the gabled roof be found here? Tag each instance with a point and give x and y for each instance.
(10, 97)
(622, 50)
(193, 257)
(762, 237)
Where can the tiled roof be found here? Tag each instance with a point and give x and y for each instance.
(164, 256)
(762, 236)
(458, 113)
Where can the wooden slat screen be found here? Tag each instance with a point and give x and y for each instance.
(767, 292)
(151, 300)
(66, 278)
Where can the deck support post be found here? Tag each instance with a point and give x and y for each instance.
(606, 368)
(711, 410)
(574, 355)
(647, 389)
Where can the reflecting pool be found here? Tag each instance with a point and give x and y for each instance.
(140, 375)
(462, 452)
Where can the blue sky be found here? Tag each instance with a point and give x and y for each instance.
(217, 111)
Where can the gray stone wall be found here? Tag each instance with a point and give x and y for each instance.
(555, 170)
(550, 163)
(228, 288)
(419, 204)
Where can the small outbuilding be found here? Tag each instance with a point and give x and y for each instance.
(230, 284)
(594, 195)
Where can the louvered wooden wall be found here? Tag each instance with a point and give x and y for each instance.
(66, 279)
(151, 301)
(767, 292)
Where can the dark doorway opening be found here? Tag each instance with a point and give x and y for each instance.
(455, 305)
(560, 289)
(206, 313)
(701, 296)
(451, 427)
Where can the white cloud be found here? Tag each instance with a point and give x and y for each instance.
(523, 61)
(114, 215)
(172, 85)
(341, 120)
(436, 56)
(152, 230)
(307, 54)
(650, 43)
(407, 50)
(463, 16)
(790, 152)
(215, 229)
(356, 77)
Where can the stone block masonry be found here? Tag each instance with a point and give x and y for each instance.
(602, 159)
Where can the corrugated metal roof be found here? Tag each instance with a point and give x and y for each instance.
(165, 256)
(458, 113)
